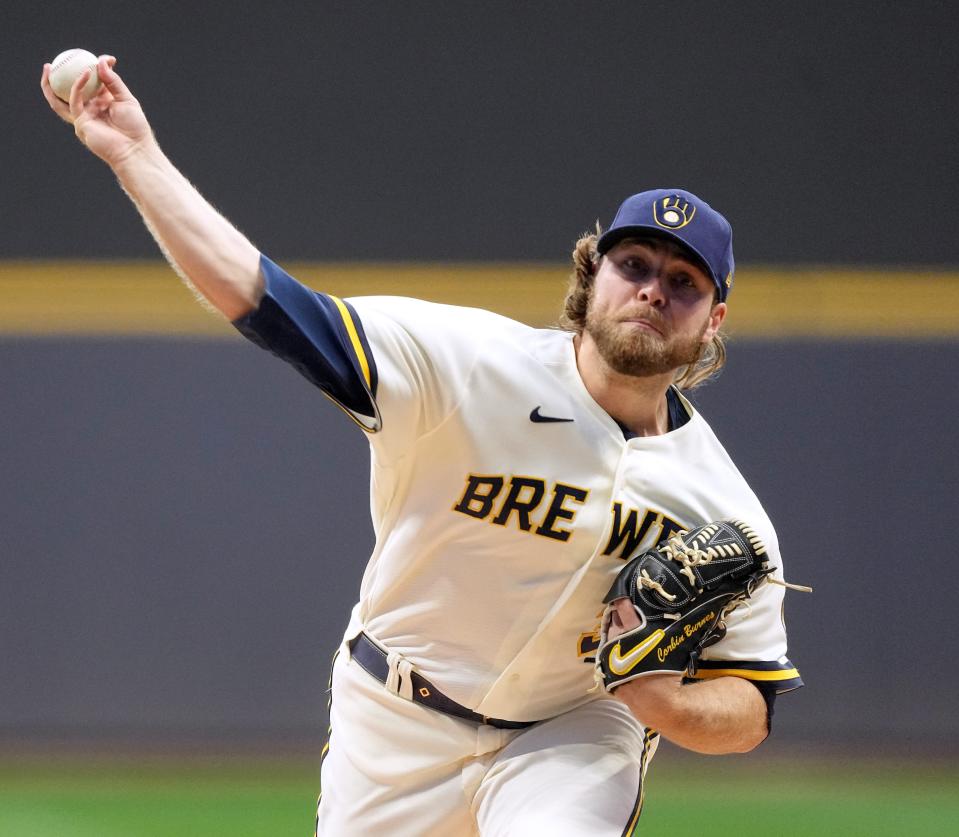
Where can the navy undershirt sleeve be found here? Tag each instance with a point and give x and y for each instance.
(311, 332)
(768, 691)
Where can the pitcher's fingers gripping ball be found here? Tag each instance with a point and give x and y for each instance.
(682, 592)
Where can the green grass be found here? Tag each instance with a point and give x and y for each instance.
(804, 799)
(208, 800)
(685, 797)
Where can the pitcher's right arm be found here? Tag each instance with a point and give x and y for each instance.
(202, 246)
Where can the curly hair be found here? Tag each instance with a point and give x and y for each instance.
(711, 357)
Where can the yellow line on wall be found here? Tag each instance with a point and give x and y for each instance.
(146, 298)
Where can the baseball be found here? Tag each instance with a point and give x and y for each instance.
(65, 69)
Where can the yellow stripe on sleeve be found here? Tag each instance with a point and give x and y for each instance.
(354, 338)
(747, 673)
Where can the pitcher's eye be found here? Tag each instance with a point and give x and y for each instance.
(636, 265)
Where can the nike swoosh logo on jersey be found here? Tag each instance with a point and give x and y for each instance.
(537, 417)
(622, 663)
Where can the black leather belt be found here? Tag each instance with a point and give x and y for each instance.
(373, 660)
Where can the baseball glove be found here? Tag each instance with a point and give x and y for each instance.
(682, 591)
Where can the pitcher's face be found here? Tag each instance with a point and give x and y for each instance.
(652, 308)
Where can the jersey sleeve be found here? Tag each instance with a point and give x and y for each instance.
(322, 337)
(396, 366)
(754, 646)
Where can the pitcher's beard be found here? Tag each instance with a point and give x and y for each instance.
(639, 353)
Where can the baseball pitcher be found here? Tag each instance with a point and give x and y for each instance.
(568, 565)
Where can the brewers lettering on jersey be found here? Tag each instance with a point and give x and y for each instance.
(514, 471)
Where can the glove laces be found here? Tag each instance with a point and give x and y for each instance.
(690, 556)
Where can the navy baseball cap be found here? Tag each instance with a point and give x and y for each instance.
(678, 215)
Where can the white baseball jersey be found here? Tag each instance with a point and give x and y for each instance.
(504, 499)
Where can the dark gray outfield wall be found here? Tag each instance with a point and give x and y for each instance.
(184, 524)
(825, 130)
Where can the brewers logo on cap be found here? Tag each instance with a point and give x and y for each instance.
(673, 212)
